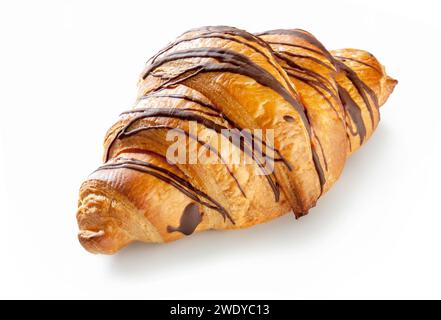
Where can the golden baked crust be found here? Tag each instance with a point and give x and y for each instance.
(320, 105)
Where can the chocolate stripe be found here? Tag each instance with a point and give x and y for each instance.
(354, 111)
(189, 116)
(210, 147)
(341, 58)
(362, 88)
(302, 56)
(295, 46)
(234, 63)
(302, 34)
(217, 34)
(240, 64)
(250, 137)
(169, 177)
(208, 32)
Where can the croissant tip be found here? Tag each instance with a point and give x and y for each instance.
(298, 215)
(90, 240)
(388, 87)
(87, 234)
(391, 83)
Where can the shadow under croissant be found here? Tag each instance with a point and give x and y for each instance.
(283, 234)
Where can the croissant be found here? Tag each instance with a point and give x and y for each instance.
(319, 105)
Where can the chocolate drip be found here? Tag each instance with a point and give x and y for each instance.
(190, 219)
(168, 177)
(354, 111)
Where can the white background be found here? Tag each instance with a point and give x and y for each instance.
(68, 68)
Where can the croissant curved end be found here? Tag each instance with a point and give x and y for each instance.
(91, 240)
(388, 88)
(101, 229)
(87, 234)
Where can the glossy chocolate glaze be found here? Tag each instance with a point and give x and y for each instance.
(190, 219)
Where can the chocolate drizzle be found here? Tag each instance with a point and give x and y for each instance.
(343, 59)
(319, 169)
(221, 32)
(354, 111)
(190, 219)
(248, 136)
(182, 97)
(230, 61)
(308, 76)
(302, 34)
(206, 145)
(294, 46)
(168, 177)
(362, 88)
(302, 56)
(207, 60)
(229, 34)
(321, 85)
(191, 116)
(317, 82)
